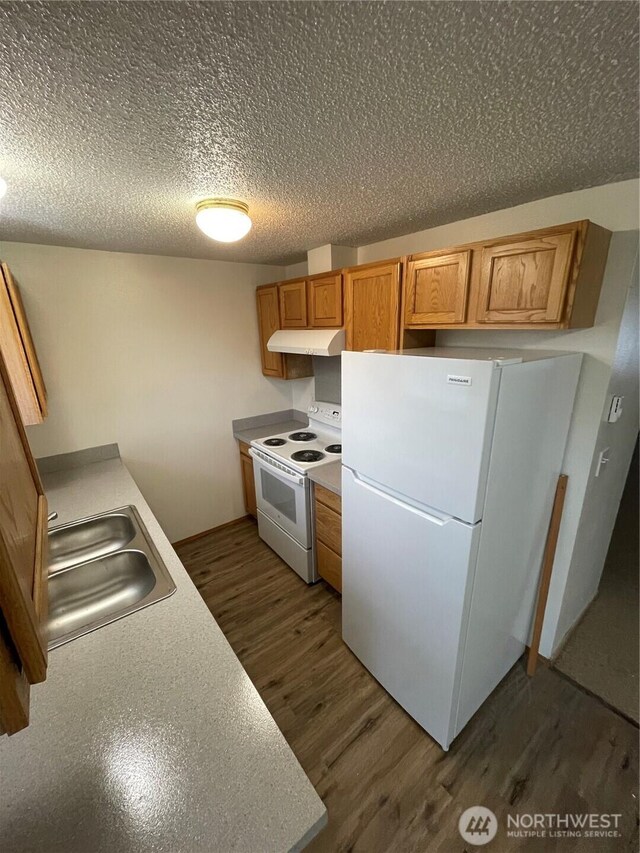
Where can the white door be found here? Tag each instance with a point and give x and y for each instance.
(420, 426)
(406, 584)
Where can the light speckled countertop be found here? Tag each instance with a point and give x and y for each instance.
(148, 734)
(329, 476)
(252, 433)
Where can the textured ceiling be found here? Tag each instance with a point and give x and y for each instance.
(336, 122)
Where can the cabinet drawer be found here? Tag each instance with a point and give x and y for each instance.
(244, 448)
(329, 566)
(328, 498)
(329, 527)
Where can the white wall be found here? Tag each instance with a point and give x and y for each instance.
(158, 354)
(614, 207)
(603, 493)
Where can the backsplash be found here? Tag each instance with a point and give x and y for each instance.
(327, 373)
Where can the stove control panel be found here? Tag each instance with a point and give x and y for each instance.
(328, 413)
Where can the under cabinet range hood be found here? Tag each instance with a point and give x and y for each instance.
(308, 341)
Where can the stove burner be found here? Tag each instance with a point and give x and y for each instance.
(302, 436)
(334, 448)
(274, 442)
(307, 456)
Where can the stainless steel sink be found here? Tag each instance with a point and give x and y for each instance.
(101, 569)
(88, 538)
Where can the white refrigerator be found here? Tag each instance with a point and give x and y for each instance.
(450, 463)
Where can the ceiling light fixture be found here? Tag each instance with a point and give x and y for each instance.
(3, 187)
(223, 219)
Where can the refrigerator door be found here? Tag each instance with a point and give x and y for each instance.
(407, 576)
(420, 426)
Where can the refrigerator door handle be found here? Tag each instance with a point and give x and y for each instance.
(435, 517)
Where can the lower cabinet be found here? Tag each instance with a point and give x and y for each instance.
(328, 516)
(248, 483)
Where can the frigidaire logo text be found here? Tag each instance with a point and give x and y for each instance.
(452, 379)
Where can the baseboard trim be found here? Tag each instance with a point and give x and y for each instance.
(563, 642)
(197, 536)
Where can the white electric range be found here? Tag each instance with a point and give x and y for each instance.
(280, 465)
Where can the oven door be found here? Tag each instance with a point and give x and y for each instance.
(282, 495)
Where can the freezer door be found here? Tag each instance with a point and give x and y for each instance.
(420, 427)
(406, 583)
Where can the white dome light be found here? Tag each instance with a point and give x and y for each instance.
(3, 187)
(223, 219)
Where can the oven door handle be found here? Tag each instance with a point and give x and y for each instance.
(277, 472)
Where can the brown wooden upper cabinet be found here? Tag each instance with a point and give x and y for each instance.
(539, 279)
(324, 295)
(19, 352)
(525, 280)
(437, 288)
(293, 304)
(276, 364)
(372, 306)
(23, 566)
(268, 323)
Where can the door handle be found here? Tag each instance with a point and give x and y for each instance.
(433, 516)
(277, 472)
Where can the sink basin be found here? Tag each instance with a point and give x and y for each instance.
(86, 540)
(101, 569)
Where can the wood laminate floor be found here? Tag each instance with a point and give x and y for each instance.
(540, 745)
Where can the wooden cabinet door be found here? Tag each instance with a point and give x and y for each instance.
(329, 566)
(23, 565)
(19, 352)
(372, 306)
(248, 482)
(436, 289)
(293, 304)
(525, 281)
(324, 295)
(268, 323)
(328, 525)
